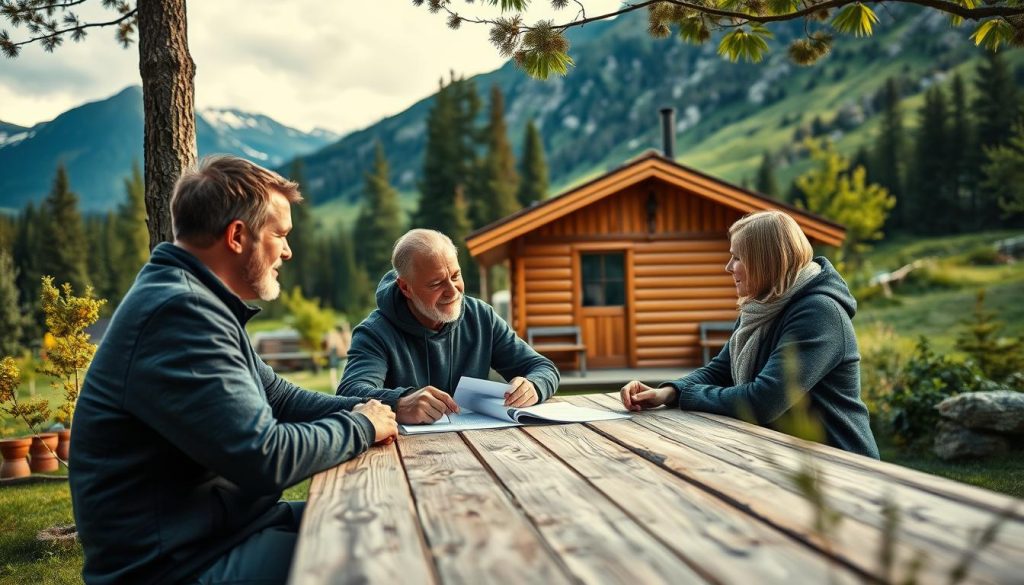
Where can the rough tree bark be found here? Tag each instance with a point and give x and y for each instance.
(168, 94)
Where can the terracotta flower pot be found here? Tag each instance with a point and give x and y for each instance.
(64, 445)
(43, 459)
(15, 463)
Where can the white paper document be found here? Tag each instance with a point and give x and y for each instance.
(483, 407)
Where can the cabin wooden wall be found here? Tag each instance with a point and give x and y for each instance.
(675, 273)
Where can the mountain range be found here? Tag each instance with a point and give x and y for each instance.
(601, 114)
(99, 141)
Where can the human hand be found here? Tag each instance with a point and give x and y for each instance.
(521, 393)
(639, 396)
(425, 406)
(382, 418)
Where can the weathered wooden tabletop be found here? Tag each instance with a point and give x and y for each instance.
(665, 497)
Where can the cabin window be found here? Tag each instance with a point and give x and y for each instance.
(603, 279)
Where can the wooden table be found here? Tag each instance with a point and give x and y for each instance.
(665, 497)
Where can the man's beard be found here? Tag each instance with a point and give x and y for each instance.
(260, 277)
(444, 314)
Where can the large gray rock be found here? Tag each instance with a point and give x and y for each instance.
(956, 442)
(1001, 411)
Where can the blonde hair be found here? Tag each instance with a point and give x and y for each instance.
(773, 249)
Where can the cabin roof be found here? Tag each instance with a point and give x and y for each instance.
(490, 242)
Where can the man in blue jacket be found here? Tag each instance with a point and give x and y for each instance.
(183, 438)
(425, 334)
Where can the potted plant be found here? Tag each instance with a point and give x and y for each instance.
(15, 463)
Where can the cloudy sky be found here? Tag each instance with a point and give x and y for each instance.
(339, 65)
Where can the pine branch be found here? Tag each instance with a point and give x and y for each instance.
(51, 40)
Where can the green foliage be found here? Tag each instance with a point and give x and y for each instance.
(749, 45)
(832, 190)
(68, 349)
(765, 181)
(998, 357)
(497, 179)
(64, 235)
(310, 321)
(1004, 172)
(544, 50)
(932, 199)
(927, 378)
(890, 151)
(11, 318)
(533, 169)
(855, 19)
(132, 234)
(992, 33)
(380, 219)
(301, 270)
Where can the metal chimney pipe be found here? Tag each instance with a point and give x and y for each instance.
(668, 132)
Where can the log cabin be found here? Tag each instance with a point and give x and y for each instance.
(635, 259)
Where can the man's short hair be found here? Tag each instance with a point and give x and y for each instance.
(220, 190)
(418, 242)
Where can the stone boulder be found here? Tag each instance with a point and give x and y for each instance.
(956, 442)
(1000, 411)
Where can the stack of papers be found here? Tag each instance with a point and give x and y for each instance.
(482, 403)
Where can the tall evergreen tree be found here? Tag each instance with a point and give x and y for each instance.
(11, 318)
(64, 235)
(533, 169)
(996, 110)
(930, 199)
(345, 286)
(498, 182)
(961, 148)
(27, 242)
(97, 260)
(890, 152)
(765, 182)
(448, 164)
(1004, 175)
(379, 223)
(300, 271)
(132, 235)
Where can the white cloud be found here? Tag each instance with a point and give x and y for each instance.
(339, 65)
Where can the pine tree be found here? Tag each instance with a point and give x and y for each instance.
(998, 357)
(890, 153)
(64, 235)
(1004, 174)
(533, 170)
(447, 167)
(97, 259)
(132, 235)
(353, 293)
(11, 318)
(960, 148)
(929, 198)
(832, 190)
(996, 110)
(498, 180)
(766, 183)
(299, 270)
(380, 219)
(28, 246)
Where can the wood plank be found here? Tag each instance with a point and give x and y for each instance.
(670, 270)
(687, 304)
(668, 340)
(722, 279)
(549, 308)
(953, 490)
(564, 296)
(683, 257)
(667, 363)
(519, 298)
(717, 540)
(595, 539)
(547, 262)
(548, 320)
(690, 292)
(475, 533)
(678, 352)
(716, 245)
(645, 329)
(631, 307)
(685, 316)
(360, 526)
(534, 274)
(939, 530)
(532, 286)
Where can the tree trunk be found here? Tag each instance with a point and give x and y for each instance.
(168, 97)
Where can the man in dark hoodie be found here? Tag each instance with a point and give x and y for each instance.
(425, 334)
(794, 340)
(184, 438)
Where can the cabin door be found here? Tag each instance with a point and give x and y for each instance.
(602, 308)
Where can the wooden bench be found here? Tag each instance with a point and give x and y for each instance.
(557, 346)
(714, 334)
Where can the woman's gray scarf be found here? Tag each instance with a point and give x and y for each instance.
(755, 320)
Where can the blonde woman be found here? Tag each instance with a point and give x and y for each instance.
(792, 307)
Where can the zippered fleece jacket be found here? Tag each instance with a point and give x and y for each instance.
(183, 439)
(393, 354)
(815, 331)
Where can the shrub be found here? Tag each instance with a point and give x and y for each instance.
(985, 256)
(908, 409)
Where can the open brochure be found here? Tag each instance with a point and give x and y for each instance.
(482, 403)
